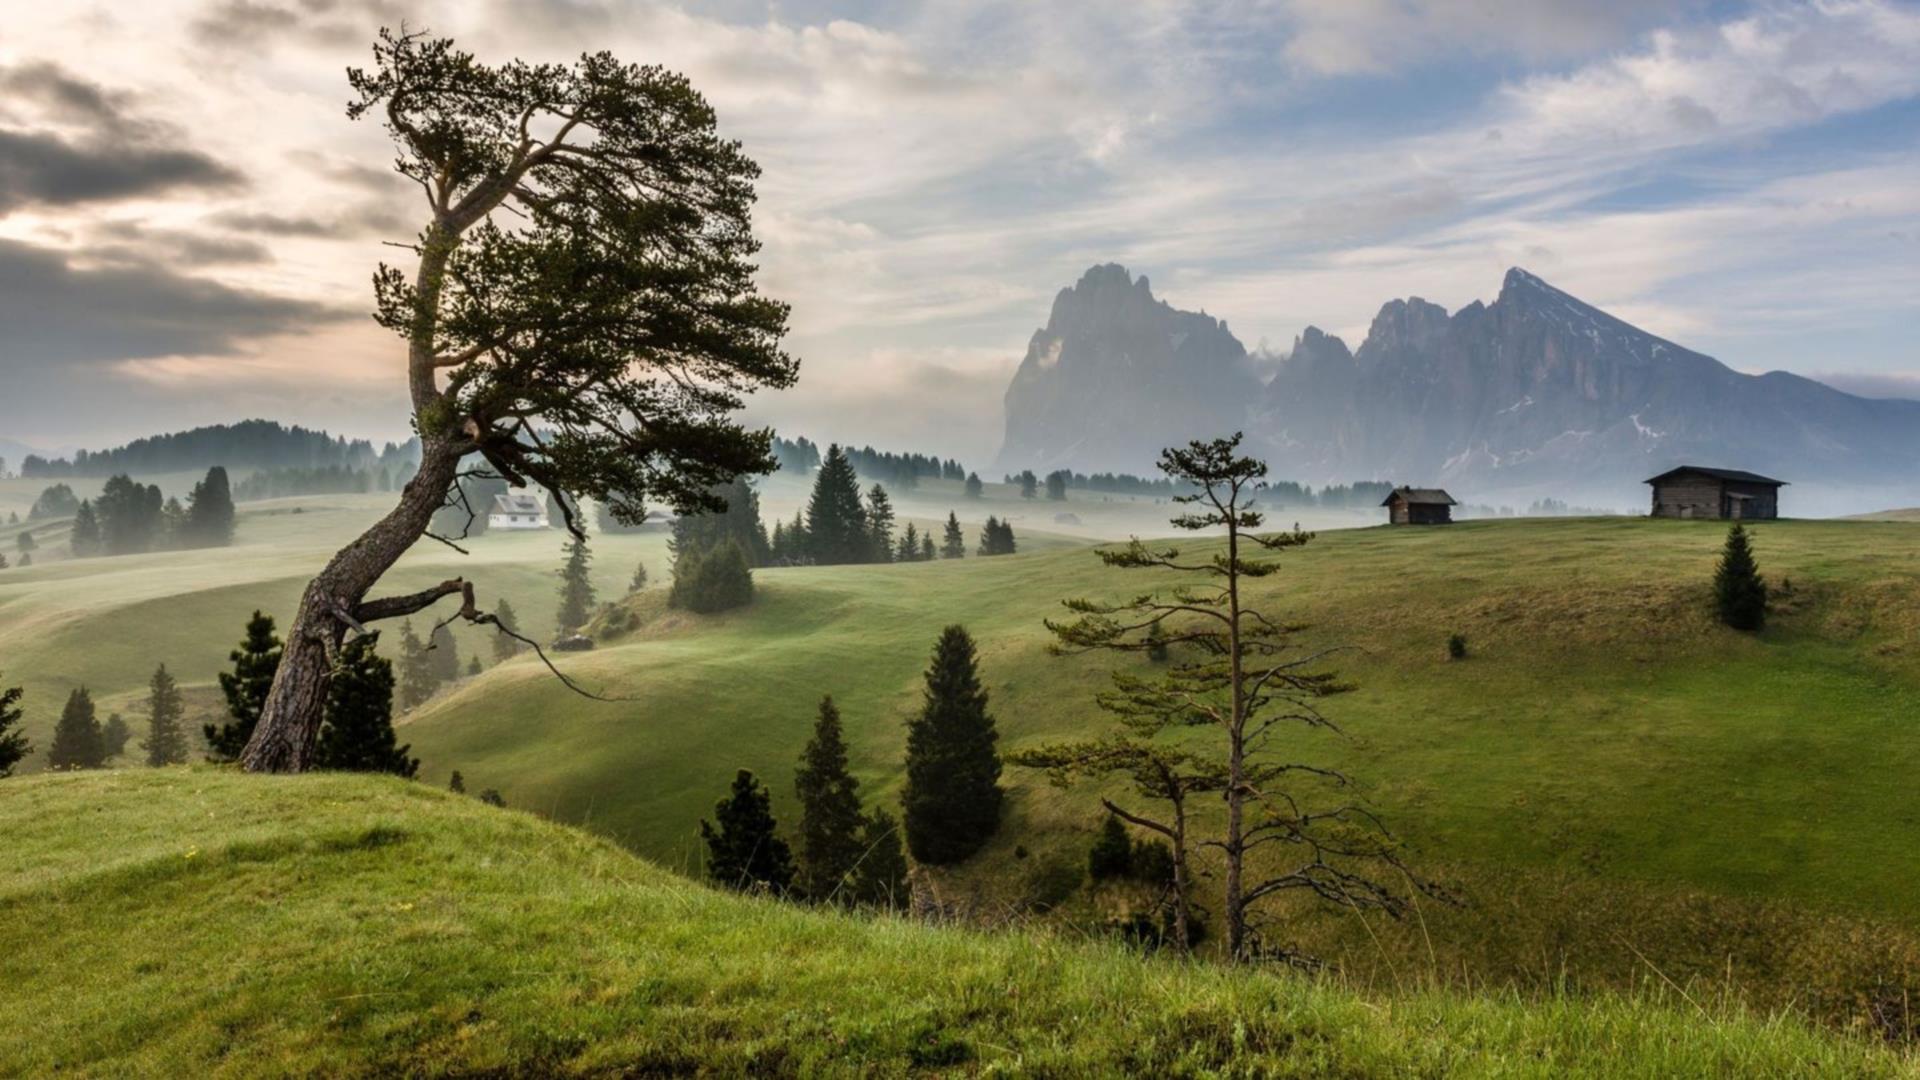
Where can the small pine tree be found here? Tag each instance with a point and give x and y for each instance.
(458, 784)
(1156, 643)
(209, 517)
(166, 742)
(954, 542)
(1057, 485)
(707, 582)
(576, 590)
(1738, 589)
(880, 873)
(952, 798)
(356, 734)
(417, 682)
(115, 734)
(879, 525)
(743, 850)
(1112, 853)
(909, 549)
(835, 531)
(1029, 484)
(926, 548)
(639, 580)
(85, 537)
(245, 687)
(444, 654)
(504, 647)
(13, 742)
(975, 489)
(492, 797)
(830, 818)
(26, 543)
(473, 665)
(78, 742)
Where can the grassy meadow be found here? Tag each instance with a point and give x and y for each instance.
(195, 922)
(1627, 796)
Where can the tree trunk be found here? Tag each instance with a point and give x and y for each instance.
(1236, 904)
(1182, 932)
(283, 740)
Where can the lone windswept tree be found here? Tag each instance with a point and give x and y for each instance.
(952, 799)
(1739, 592)
(166, 742)
(830, 820)
(1244, 676)
(581, 316)
(13, 742)
(744, 850)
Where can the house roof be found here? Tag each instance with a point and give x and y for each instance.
(517, 503)
(1739, 475)
(1420, 497)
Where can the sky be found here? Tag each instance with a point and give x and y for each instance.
(189, 222)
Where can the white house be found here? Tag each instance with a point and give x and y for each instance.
(517, 510)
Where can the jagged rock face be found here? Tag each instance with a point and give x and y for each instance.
(1541, 391)
(1116, 374)
(1536, 392)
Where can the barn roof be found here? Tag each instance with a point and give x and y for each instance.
(517, 503)
(1419, 497)
(1737, 475)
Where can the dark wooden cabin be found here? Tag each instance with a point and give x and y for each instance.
(1419, 506)
(1693, 491)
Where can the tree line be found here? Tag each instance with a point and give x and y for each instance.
(128, 517)
(322, 480)
(250, 444)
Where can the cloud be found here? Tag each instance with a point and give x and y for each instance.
(113, 154)
(58, 316)
(1348, 37)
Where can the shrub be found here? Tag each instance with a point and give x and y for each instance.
(1112, 853)
(711, 581)
(1457, 646)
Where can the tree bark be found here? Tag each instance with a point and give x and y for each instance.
(283, 741)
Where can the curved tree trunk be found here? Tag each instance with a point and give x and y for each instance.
(283, 741)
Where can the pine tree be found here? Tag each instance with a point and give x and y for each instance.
(879, 525)
(78, 742)
(880, 872)
(166, 742)
(357, 734)
(955, 541)
(457, 783)
(1112, 853)
(115, 734)
(504, 647)
(576, 590)
(711, 581)
(836, 525)
(743, 850)
(1057, 485)
(85, 538)
(975, 489)
(1156, 643)
(926, 548)
(417, 682)
(830, 818)
(1738, 589)
(210, 511)
(444, 654)
(639, 580)
(909, 550)
(739, 522)
(245, 687)
(952, 798)
(473, 665)
(1029, 484)
(26, 543)
(996, 537)
(13, 742)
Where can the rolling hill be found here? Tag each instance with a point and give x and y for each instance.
(198, 922)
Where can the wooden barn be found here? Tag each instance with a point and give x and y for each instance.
(1694, 491)
(1419, 506)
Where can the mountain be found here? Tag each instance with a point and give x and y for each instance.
(1116, 374)
(1536, 393)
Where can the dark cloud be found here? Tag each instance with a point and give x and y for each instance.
(365, 219)
(117, 154)
(259, 24)
(58, 316)
(131, 243)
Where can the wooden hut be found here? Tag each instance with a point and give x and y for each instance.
(1693, 491)
(1419, 506)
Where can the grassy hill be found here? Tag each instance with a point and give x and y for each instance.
(198, 922)
(1626, 793)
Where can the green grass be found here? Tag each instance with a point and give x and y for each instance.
(1626, 793)
(198, 922)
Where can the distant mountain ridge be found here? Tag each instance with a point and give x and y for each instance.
(1536, 391)
(260, 444)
